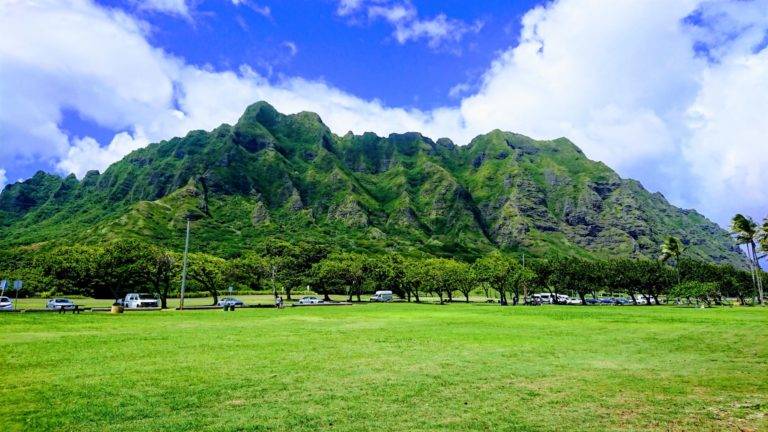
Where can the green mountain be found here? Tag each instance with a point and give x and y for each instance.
(287, 176)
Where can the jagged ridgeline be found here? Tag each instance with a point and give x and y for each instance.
(288, 177)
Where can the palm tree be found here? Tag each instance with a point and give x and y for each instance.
(762, 236)
(745, 231)
(672, 248)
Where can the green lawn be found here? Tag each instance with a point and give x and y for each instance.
(388, 367)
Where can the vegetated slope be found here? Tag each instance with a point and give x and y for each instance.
(287, 176)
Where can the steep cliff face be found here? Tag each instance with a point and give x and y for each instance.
(275, 175)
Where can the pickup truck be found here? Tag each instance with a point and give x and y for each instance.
(136, 300)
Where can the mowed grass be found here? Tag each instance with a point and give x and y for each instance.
(388, 367)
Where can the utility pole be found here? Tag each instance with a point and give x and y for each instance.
(525, 288)
(184, 269)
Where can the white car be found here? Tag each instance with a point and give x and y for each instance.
(140, 300)
(310, 300)
(6, 303)
(574, 301)
(60, 303)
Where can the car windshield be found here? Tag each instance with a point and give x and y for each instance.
(63, 301)
(146, 297)
(4, 299)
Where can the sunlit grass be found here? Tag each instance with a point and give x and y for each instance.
(387, 367)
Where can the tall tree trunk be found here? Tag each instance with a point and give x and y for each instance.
(758, 275)
(215, 295)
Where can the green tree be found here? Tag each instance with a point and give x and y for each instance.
(208, 272)
(576, 274)
(435, 276)
(413, 278)
(121, 268)
(69, 270)
(701, 291)
(459, 276)
(160, 267)
(654, 279)
(388, 274)
(672, 248)
(248, 270)
(746, 233)
(329, 276)
(497, 271)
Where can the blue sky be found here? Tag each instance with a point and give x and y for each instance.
(674, 94)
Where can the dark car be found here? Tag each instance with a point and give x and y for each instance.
(590, 301)
(607, 300)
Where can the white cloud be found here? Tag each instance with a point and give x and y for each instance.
(347, 7)
(292, 48)
(621, 79)
(262, 10)
(3, 179)
(404, 17)
(86, 154)
(727, 150)
(170, 7)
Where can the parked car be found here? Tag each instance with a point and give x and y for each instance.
(590, 301)
(623, 301)
(608, 300)
(6, 303)
(230, 301)
(574, 301)
(60, 303)
(140, 300)
(310, 300)
(382, 296)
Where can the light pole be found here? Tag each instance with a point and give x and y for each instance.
(184, 269)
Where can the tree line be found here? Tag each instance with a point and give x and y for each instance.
(114, 269)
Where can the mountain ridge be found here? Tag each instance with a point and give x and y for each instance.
(288, 176)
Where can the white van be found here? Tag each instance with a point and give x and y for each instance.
(382, 296)
(140, 300)
(546, 298)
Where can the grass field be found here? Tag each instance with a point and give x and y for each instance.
(388, 367)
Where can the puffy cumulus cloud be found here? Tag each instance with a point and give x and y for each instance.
(3, 179)
(89, 59)
(727, 150)
(608, 75)
(672, 93)
(86, 153)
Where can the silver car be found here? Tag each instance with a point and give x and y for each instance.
(6, 303)
(60, 303)
(230, 301)
(310, 300)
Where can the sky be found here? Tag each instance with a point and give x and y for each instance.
(672, 93)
